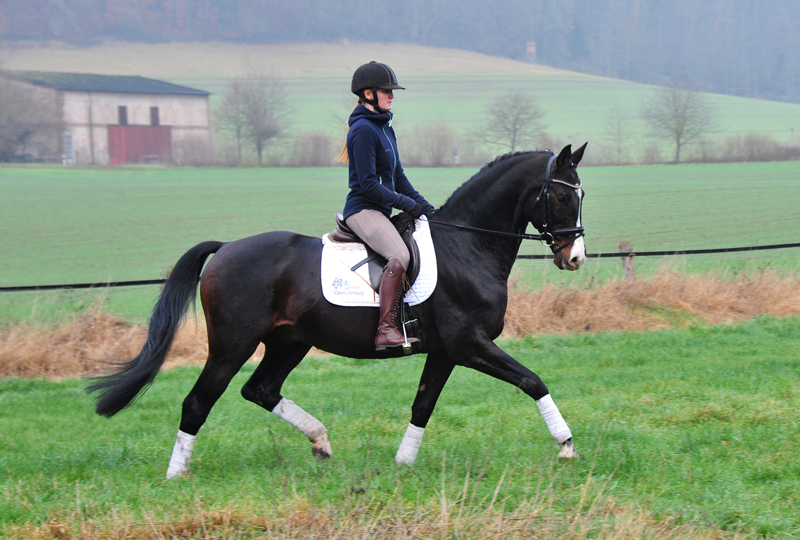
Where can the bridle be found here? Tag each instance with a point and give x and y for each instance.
(548, 236)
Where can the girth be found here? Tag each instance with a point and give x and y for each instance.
(405, 227)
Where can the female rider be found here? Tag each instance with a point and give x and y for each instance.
(377, 185)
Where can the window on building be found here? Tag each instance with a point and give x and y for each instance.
(123, 115)
(154, 116)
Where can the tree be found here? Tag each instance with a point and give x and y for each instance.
(439, 142)
(432, 145)
(512, 122)
(29, 123)
(254, 111)
(231, 116)
(678, 113)
(618, 133)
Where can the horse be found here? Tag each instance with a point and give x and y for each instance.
(266, 289)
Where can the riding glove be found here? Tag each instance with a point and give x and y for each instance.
(417, 211)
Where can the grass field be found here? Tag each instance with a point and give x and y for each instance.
(444, 85)
(693, 427)
(79, 225)
(685, 433)
(95, 225)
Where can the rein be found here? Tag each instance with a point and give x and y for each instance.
(547, 237)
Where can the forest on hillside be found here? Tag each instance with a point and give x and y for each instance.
(746, 48)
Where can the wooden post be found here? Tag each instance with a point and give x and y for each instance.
(627, 262)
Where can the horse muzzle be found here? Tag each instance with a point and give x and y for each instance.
(571, 254)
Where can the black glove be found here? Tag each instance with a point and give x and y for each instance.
(417, 211)
(429, 210)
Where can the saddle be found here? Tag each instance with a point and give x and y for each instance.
(376, 262)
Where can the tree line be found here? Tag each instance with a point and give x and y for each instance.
(254, 117)
(746, 48)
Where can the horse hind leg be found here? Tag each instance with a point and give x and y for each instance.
(224, 361)
(264, 389)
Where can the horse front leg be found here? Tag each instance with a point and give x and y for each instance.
(437, 370)
(486, 357)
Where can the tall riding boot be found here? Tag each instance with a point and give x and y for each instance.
(391, 293)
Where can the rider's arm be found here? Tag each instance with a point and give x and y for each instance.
(364, 143)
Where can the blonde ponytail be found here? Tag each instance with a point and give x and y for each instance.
(343, 156)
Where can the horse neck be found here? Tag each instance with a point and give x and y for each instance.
(494, 204)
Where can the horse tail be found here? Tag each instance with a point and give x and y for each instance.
(117, 390)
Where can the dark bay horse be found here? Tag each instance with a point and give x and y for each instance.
(267, 289)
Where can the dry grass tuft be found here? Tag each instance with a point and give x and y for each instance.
(375, 518)
(668, 300)
(89, 343)
(86, 345)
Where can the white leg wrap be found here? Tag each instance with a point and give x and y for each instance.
(407, 453)
(307, 424)
(552, 417)
(181, 455)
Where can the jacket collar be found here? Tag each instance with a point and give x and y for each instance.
(363, 112)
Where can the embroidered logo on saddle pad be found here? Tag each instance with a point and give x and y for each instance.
(342, 286)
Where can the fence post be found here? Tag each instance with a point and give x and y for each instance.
(628, 265)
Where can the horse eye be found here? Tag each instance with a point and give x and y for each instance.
(561, 198)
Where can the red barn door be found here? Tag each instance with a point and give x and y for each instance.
(139, 144)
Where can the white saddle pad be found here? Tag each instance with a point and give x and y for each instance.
(343, 287)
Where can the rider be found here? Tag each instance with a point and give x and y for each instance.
(377, 185)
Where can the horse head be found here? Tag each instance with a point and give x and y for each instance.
(556, 211)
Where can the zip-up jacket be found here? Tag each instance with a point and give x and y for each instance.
(377, 180)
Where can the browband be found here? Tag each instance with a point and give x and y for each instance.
(547, 175)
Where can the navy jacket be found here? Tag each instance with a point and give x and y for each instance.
(377, 180)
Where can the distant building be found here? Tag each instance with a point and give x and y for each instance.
(111, 119)
(530, 52)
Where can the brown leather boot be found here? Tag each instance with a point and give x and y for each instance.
(391, 292)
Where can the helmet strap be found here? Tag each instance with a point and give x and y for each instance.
(373, 101)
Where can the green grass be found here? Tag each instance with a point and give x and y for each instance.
(698, 424)
(94, 225)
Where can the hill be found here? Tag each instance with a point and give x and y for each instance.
(444, 85)
(215, 60)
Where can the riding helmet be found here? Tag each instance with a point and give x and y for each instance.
(374, 75)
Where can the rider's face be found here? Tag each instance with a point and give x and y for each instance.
(385, 98)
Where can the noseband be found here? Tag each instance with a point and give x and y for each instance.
(548, 236)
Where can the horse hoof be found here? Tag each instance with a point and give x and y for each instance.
(568, 450)
(322, 447)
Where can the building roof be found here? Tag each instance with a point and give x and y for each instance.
(86, 82)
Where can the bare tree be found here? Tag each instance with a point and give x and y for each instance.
(618, 133)
(254, 111)
(29, 123)
(680, 114)
(512, 122)
(231, 115)
(439, 142)
(432, 145)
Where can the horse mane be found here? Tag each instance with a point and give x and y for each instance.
(510, 155)
(489, 172)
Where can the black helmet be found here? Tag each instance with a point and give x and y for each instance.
(374, 75)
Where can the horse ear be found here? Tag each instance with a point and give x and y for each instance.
(563, 157)
(578, 155)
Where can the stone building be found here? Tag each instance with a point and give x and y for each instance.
(110, 119)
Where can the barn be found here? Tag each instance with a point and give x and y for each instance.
(115, 119)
